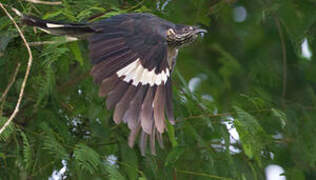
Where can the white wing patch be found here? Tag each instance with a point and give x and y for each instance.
(50, 25)
(136, 72)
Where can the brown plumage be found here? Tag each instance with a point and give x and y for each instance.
(159, 104)
(133, 56)
(123, 104)
(146, 115)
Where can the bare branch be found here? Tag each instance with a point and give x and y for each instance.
(284, 61)
(29, 64)
(4, 95)
(201, 174)
(44, 2)
(221, 114)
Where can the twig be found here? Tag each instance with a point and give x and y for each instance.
(284, 61)
(201, 174)
(10, 83)
(44, 2)
(207, 115)
(220, 115)
(29, 64)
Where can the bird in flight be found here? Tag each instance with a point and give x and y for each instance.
(133, 57)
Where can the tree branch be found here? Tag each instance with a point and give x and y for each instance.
(220, 114)
(4, 95)
(284, 61)
(29, 64)
(44, 2)
(201, 174)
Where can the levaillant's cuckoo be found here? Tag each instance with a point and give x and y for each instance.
(133, 56)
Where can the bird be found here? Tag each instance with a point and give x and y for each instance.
(133, 56)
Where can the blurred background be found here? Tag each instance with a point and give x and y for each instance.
(244, 96)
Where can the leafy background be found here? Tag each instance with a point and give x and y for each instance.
(248, 74)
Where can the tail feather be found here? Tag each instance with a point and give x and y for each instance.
(79, 30)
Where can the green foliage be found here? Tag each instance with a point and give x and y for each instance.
(27, 151)
(8, 131)
(53, 146)
(249, 75)
(87, 158)
(252, 135)
(281, 115)
(129, 161)
(114, 174)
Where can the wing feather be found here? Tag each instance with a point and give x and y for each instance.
(121, 107)
(116, 94)
(169, 104)
(108, 84)
(111, 66)
(131, 116)
(146, 114)
(153, 142)
(158, 103)
(143, 143)
(131, 66)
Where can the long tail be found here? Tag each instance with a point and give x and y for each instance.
(79, 30)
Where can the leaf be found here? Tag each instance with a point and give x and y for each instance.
(281, 115)
(27, 151)
(171, 135)
(3, 23)
(297, 17)
(52, 14)
(74, 47)
(230, 65)
(295, 174)
(114, 12)
(89, 12)
(114, 174)
(129, 159)
(5, 38)
(87, 159)
(252, 135)
(8, 131)
(47, 84)
(51, 144)
(174, 155)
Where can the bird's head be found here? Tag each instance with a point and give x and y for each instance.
(182, 35)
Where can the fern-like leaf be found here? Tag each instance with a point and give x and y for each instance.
(8, 131)
(87, 158)
(252, 135)
(54, 147)
(27, 151)
(47, 85)
(114, 174)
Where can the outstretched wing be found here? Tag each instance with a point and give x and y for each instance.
(131, 67)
